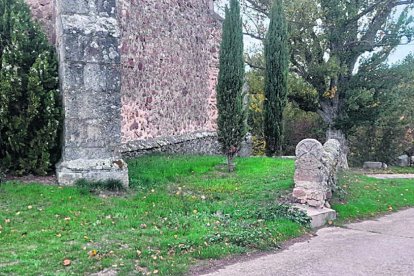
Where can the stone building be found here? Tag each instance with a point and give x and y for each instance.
(137, 76)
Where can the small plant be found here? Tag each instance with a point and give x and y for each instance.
(272, 212)
(112, 185)
(248, 236)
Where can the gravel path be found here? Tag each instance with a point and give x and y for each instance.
(392, 176)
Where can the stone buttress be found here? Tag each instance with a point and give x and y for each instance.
(88, 38)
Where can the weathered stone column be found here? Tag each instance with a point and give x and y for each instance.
(87, 39)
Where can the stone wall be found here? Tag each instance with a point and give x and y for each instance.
(44, 12)
(169, 66)
(195, 143)
(316, 171)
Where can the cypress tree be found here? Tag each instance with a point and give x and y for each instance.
(276, 74)
(30, 112)
(231, 111)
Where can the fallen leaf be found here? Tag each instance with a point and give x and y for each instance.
(93, 253)
(67, 262)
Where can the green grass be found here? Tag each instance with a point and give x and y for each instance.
(364, 197)
(402, 170)
(180, 210)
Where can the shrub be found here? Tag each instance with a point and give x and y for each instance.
(30, 112)
(273, 212)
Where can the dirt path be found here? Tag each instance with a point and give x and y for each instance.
(391, 176)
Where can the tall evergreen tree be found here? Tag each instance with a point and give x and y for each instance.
(231, 111)
(276, 75)
(30, 112)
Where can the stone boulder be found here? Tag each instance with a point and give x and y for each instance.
(246, 147)
(374, 165)
(404, 161)
(316, 171)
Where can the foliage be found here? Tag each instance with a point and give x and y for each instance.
(299, 124)
(30, 113)
(178, 208)
(230, 98)
(276, 79)
(107, 185)
(273, 211)
(389, 92)
(302, 94)
(259, 146)
(328, 38)
(255, 80)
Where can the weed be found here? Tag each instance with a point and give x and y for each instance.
(86, 186)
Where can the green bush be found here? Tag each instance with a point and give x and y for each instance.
(30, 111)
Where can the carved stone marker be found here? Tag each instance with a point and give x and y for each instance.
(316, 170)
(88, 38)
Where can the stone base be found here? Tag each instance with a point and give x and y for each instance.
(68, 172)
(319, 216)
(315, 197)
(205, 143)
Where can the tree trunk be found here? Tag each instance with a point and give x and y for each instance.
(230, 163)
(338, 134)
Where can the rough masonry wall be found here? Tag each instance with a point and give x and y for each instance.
(169, 66)
(44, 12)
(169, 57)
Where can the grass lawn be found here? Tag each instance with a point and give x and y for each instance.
(179, 210)
(363, 197)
